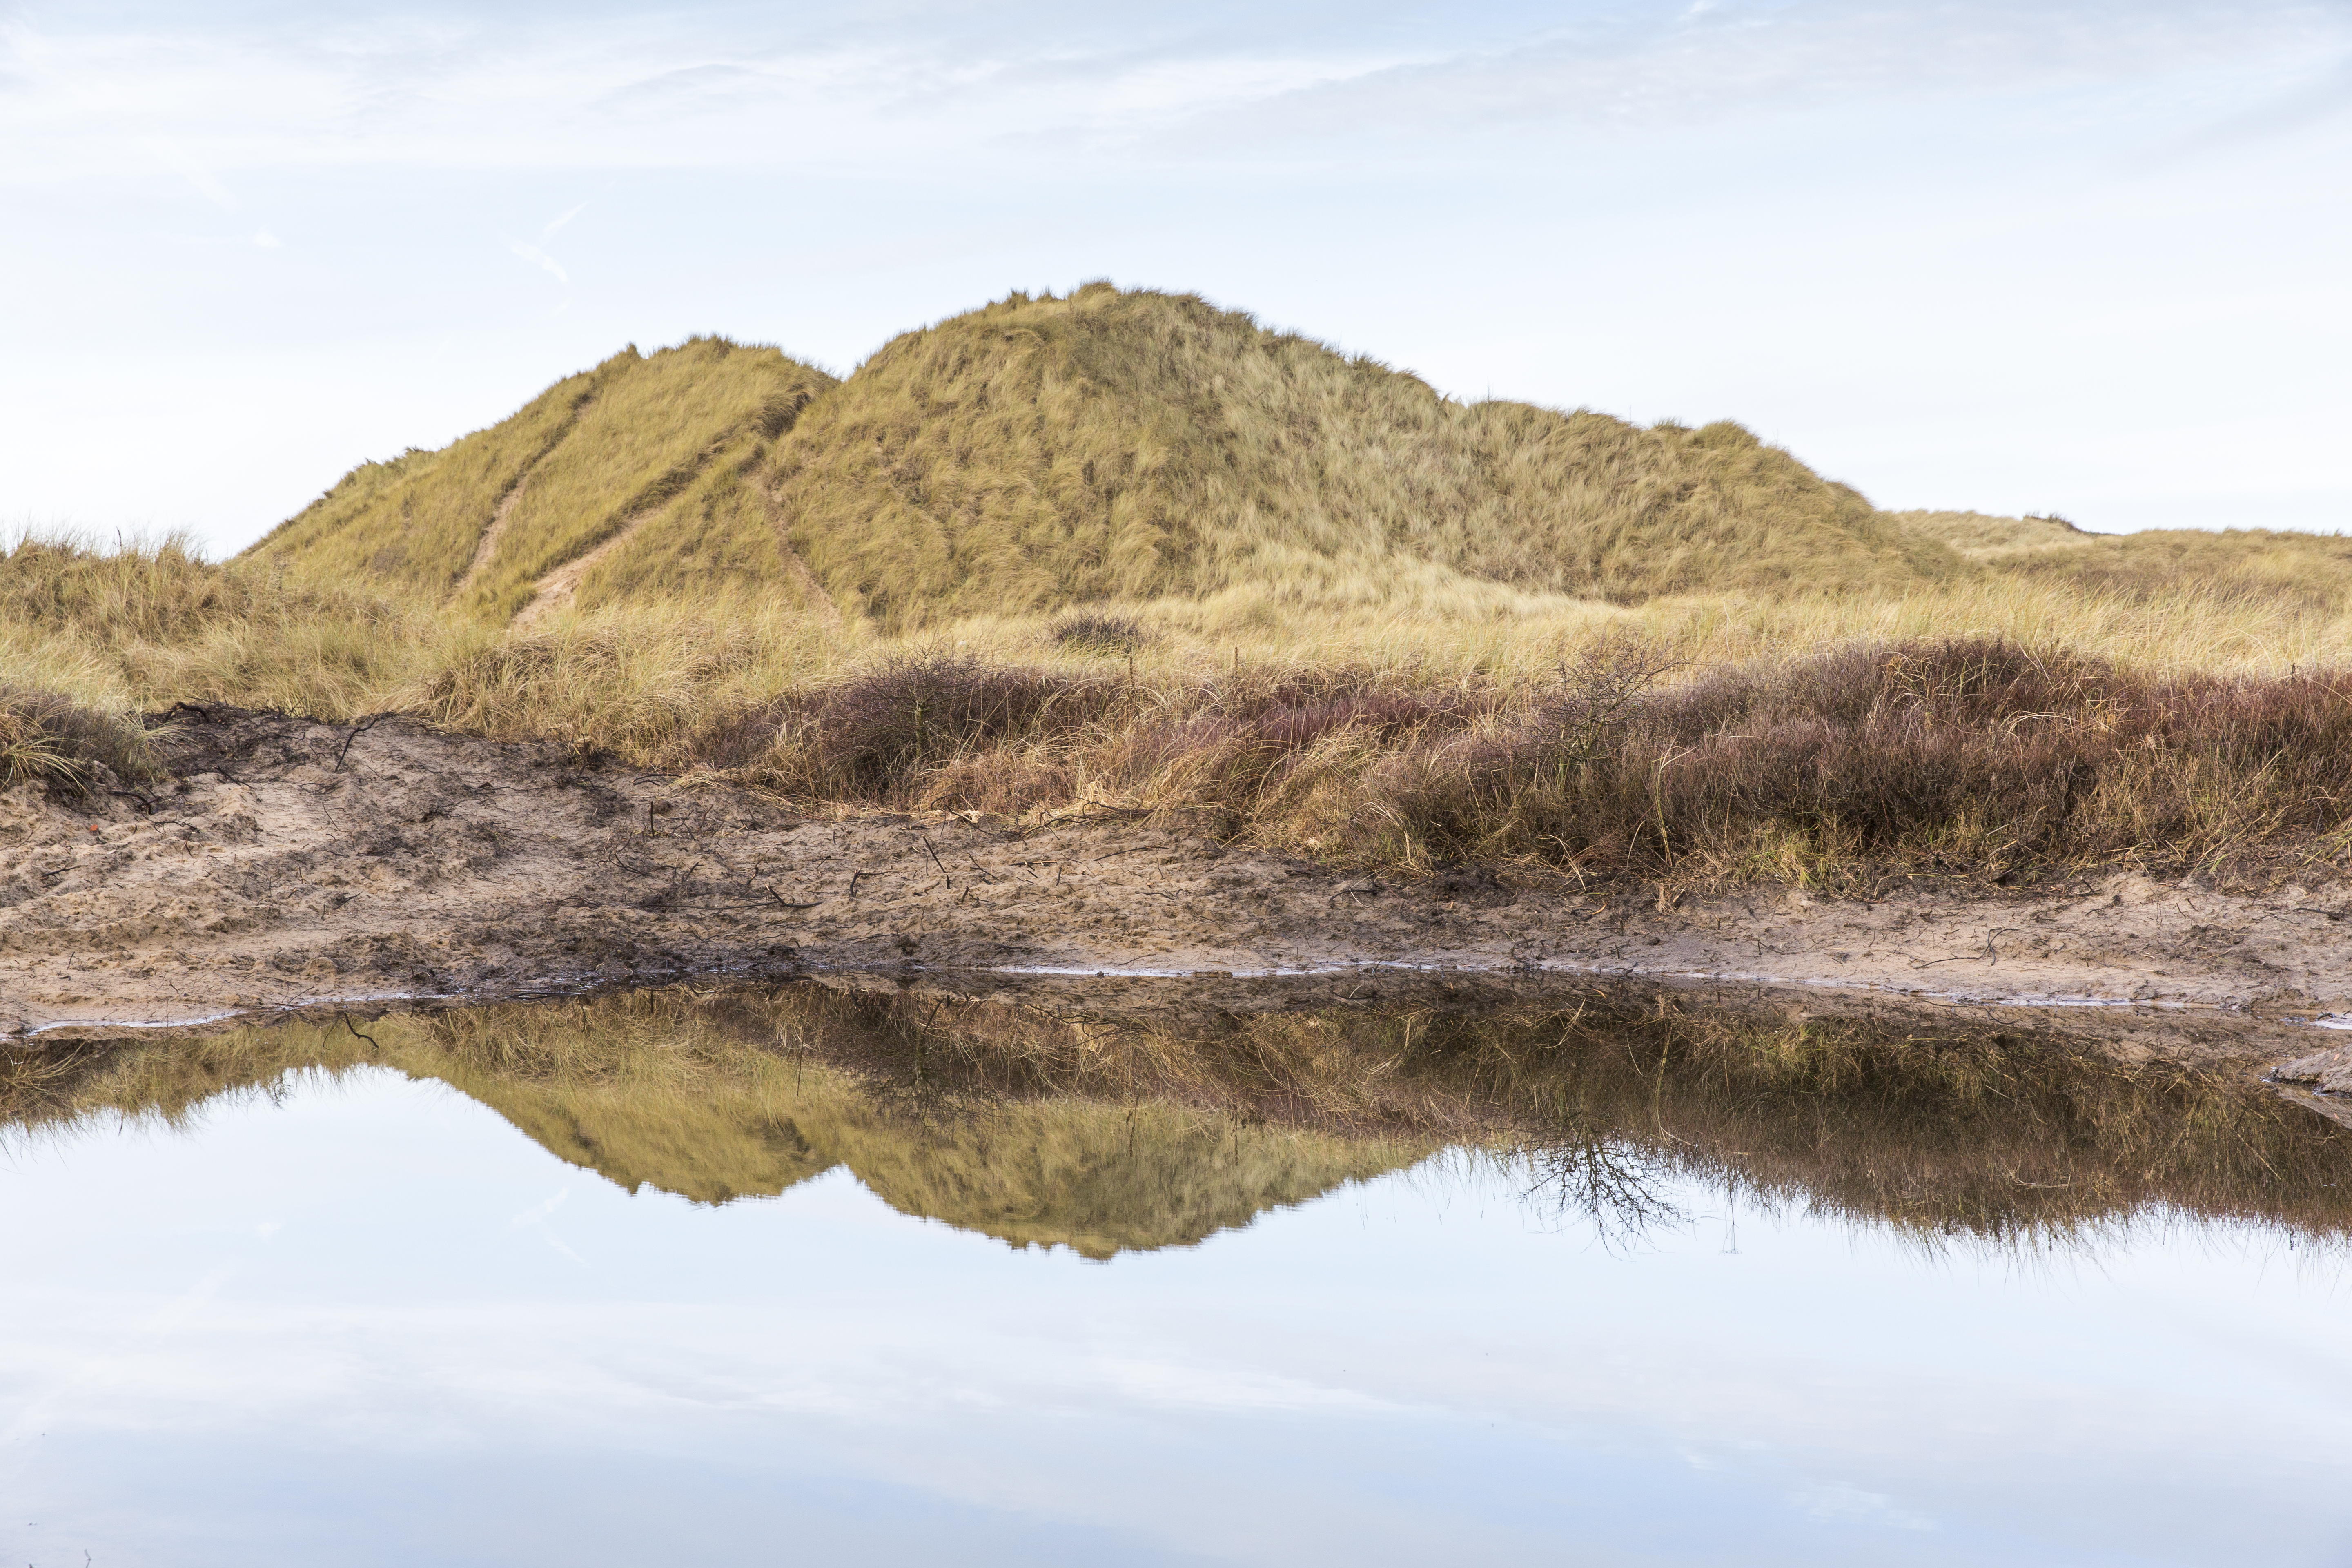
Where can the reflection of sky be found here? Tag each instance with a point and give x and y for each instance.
(374, 1323)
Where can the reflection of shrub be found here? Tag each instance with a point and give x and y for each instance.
(1088, 632)
(46, 738)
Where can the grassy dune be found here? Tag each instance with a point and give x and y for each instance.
(1129, 550)
(640, 440)
(1133, 446)
(1043, 452)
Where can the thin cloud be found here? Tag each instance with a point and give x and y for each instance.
(197, 176)
(532, 253)
(2297, 109)
(711, 89)
(1701, 65)
(1841, 1501)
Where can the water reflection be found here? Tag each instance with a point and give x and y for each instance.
(344, 1315)
(1107, 1122)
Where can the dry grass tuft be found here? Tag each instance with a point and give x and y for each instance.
(1969, 758)
(1092, 631)
(644, 684)
(1973, 758)
(149, 625)
(44, 739)
(910, 717)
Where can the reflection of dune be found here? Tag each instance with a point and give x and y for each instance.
(1099, 1179)
(1102, 1179)
(712, 1148)
(1134, 1124)
(695, 1098)
(715, 1101)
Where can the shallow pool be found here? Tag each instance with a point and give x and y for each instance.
(364, 1317)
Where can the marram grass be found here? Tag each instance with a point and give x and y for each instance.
(715, 556)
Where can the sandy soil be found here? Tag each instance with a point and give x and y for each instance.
(295, 864)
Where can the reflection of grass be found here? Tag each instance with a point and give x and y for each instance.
(720, 1100)
(1958, 1132)
(1112, 1130)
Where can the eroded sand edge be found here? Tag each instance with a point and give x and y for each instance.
(295, 864)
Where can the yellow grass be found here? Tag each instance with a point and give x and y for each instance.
(153, 623)
(639, 440)
(1046, 451)
(1041, 452)
(142, 628)
(637, 448)
(1232, 490)
(413, 523)
(657, 546)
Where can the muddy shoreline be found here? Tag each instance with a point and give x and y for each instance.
(292, 866)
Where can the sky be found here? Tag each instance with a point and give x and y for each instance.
(2089, 259)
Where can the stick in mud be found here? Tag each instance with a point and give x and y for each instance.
(358, 729)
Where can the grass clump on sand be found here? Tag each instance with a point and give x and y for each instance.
(48, 739)
(1975, 758)
(1092, 631)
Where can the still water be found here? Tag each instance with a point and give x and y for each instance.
(351, 1312)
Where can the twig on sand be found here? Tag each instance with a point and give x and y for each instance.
(934, 854)
(358, 729)
(1990, 955)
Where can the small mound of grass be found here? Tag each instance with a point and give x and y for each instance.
(1092, 632)
(865, 737)
(48, 739)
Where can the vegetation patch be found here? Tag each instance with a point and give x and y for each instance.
(47, 740)
(1969, 758)
(1091, 631)
(1128, 550)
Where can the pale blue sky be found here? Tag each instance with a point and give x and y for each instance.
(2089, 258)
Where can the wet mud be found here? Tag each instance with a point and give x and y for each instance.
(295, 865)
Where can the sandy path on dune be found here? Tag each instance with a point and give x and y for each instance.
(298, 864)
